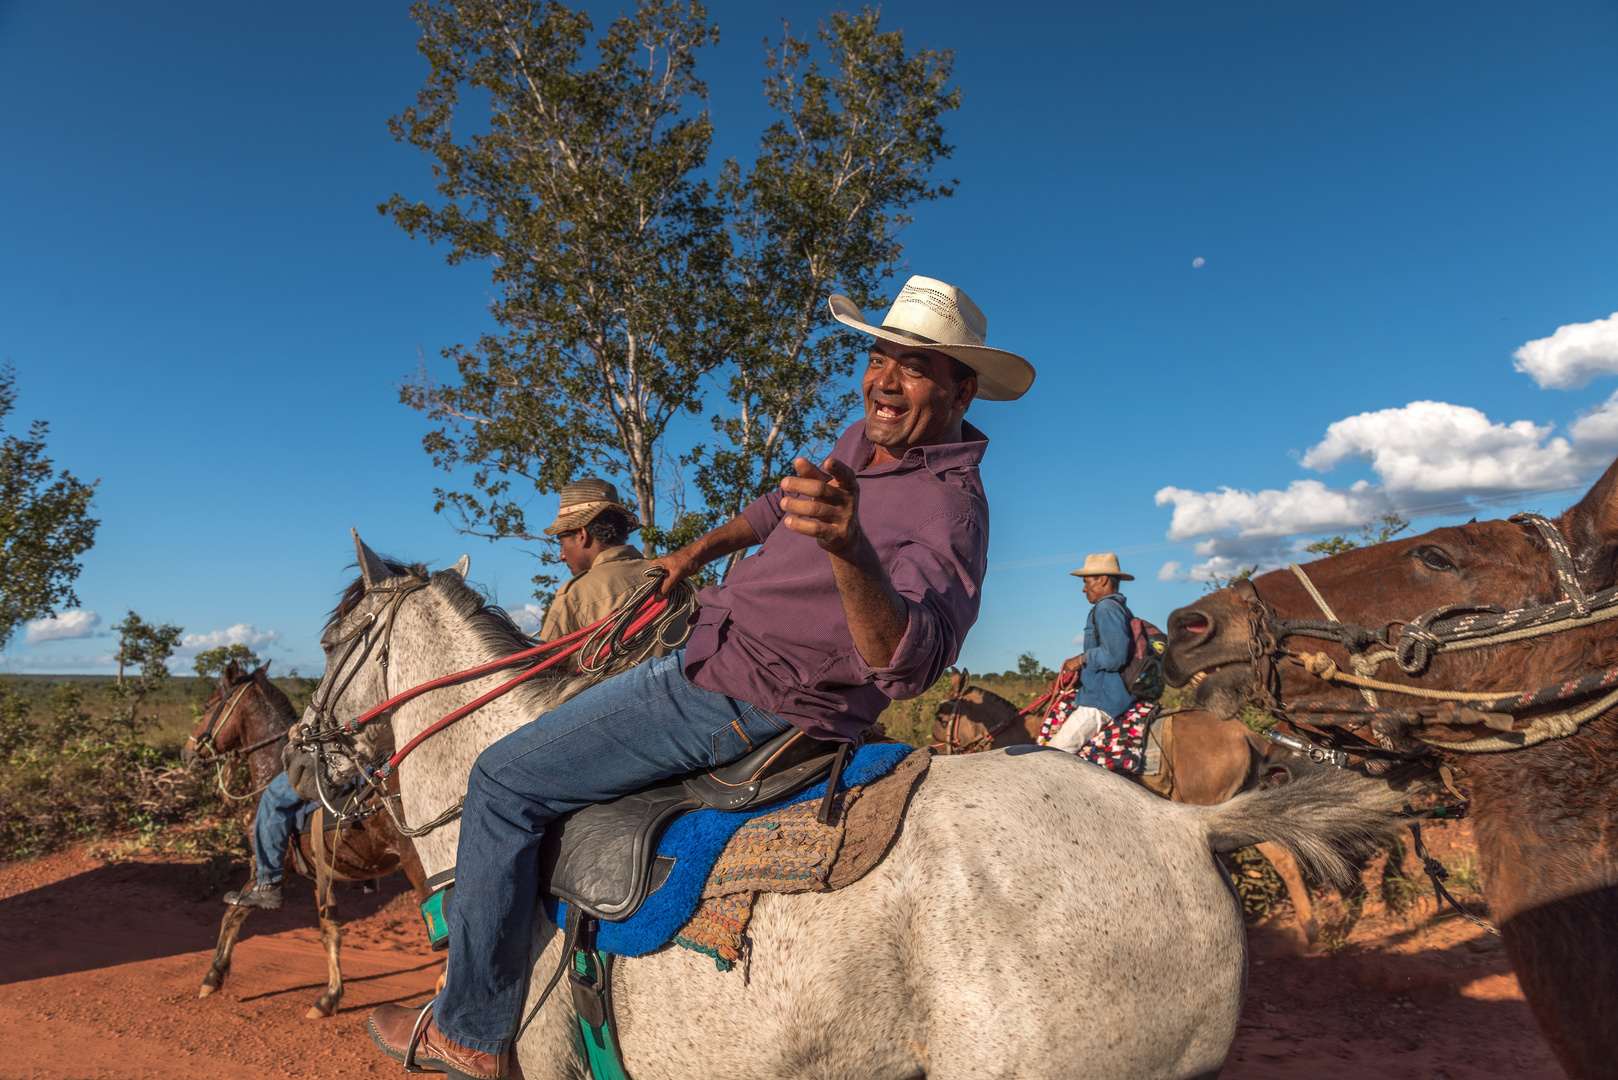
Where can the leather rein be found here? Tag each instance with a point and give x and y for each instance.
(641, 624)
(1451, 628)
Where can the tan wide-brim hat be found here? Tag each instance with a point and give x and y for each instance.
(1104, 565)
(940, 316)
(582, 500)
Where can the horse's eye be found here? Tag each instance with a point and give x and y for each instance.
(1435, 559)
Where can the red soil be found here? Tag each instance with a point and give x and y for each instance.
(100, 963)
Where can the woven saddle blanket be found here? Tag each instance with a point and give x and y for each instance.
(723, 860)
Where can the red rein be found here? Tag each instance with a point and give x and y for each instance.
(568, 645)
(1065, 681)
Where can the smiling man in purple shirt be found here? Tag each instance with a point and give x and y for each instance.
(866, 581)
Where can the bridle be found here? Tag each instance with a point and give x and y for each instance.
(207, 750)
(643, 623)
(1447, 629)
(222, 712)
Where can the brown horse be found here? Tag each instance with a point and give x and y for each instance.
(1205, 760)
(247, 717)
(1511, 606)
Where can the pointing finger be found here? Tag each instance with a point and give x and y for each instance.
(807, 469)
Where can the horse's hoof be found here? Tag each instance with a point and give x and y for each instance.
(316, 1013)
(206, 990)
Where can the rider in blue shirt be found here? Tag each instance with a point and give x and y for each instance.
(1102, 694)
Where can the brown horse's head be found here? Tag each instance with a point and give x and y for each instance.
(1385, 587)
(972, 718)
(244, 708)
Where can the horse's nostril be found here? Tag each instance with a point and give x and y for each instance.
(1195, 624)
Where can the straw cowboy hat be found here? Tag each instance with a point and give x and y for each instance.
(929, 312)
(1105, 565)
(582, 500)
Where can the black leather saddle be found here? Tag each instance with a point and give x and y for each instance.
(603, 858)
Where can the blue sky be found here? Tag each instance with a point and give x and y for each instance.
(1389, 201)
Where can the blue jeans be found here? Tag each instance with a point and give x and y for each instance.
(272, 827)
(619, 736)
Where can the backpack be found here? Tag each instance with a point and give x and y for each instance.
(1143, 674)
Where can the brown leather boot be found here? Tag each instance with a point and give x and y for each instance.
(391, 1026)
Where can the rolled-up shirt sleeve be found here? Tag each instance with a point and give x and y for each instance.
(937, 570)
(764, 513)
(1111, 651)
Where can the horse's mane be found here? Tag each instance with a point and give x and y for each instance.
(990, 696)
(280, 704)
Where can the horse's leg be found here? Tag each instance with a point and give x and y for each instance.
(1302, 909)
(230, 928)
(331, 934)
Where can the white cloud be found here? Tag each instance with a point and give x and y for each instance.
(1571, 357)
(78, 623)
(1433, 446)
(240, 634)
(1305, 506)
(1168, 571)
(529, 617)
(1595, 433)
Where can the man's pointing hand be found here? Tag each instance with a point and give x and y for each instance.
(823, 503)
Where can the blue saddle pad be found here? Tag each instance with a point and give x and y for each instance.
(694, 843)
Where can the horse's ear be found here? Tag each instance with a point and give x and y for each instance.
(372, 568)
(263, 673)
(1591, 527)
(232, 672)
(462, 566)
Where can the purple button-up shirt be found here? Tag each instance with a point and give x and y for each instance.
(775, 635)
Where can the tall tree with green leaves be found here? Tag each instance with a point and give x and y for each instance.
(820, 212)
(45, 523)
(210, 664)
(143, 652)
(605, 246)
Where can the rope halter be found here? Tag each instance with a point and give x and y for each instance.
(1446, 629)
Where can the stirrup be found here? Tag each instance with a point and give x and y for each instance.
(416, 1034)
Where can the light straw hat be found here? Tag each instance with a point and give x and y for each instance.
(582, 500)
(1104, 565)
(940, 316)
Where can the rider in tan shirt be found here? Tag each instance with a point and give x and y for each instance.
(591, 528)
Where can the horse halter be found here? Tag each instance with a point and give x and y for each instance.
(1451, 628)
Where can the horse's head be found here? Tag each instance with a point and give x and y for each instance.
(972, 718)
(221, 726)
(1272, 638)
(357, 640)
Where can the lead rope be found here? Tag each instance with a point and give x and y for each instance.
(1541, 728)
(1362, 665)
(1438, 874)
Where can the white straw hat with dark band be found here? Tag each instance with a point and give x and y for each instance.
(1104, 565)
(939, 316)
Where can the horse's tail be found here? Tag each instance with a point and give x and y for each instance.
(1324, 820)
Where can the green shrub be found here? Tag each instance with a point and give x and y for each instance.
(69, 775)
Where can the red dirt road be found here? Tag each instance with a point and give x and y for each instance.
(100, 965)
